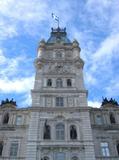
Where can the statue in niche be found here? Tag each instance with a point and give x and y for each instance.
(46, 131)
(73, 133)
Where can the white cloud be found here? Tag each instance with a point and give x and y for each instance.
(104, 54)
(7, 29)
(26, 100)
(112, 89)
(90, 79)
(11, 68)
(24, 10)
(2, 57)
(16, 85)
(94, 104)
(107, 47)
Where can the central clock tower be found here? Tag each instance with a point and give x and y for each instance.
(60, 124)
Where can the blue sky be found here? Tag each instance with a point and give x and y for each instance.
(94, 23)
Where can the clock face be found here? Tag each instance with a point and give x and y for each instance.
(59, 54)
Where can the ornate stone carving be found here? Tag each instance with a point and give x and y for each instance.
(7, 101)
(59, 68)
(111, 101)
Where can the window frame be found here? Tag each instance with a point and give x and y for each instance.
(18, 122)
(105, 149)
(60, 154)
(60, 131)
(14, 151)
(59, 101)
(98, 119)
(59, 83)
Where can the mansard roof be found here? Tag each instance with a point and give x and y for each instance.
(58, 35)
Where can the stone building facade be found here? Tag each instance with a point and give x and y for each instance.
(59, 125)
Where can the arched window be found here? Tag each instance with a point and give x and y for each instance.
(118, 148)
(1, 148)
(60, 131)
(59, 83)
(45, 158)
(74, 158)
(46, 131)
(73, 133)
(6, 118)
(112, 119)
(49, 82)
(69, 83)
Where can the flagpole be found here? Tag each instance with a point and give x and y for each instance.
(56, 18)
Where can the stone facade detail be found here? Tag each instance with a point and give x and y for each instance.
(59, 125)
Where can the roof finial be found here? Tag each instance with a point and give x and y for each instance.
(56, 18)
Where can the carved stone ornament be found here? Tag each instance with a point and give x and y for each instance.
(58, 68)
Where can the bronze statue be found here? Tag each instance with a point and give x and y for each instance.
(46, 131)
(73, 133)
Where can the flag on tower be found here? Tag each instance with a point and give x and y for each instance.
(55, 17)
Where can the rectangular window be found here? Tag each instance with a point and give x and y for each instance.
(105, 149)
(60, 156)
(18, 120)
(13, 149)
(98, 119)
(59, 101)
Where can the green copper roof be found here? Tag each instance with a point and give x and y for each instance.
(58, 35)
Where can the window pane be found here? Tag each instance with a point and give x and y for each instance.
(59, 83)
(60, 132)
(18, 120)
(98, 119)
(59, 101)
(105, 149)
(60, 156)
(13, 149)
